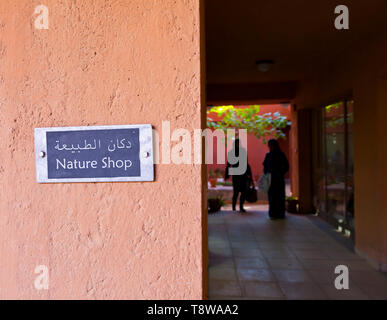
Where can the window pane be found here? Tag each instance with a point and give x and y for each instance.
(350, 180)
(334, 123)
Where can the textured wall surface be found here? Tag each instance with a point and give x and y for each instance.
(100, 63)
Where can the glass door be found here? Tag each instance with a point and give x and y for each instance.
(350, 191)
(334, 126)
(334, 166)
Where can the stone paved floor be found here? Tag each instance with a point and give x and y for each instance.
(252, 257)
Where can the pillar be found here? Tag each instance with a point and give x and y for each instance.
(100, 63)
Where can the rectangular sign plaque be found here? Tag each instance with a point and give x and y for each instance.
(94, 154)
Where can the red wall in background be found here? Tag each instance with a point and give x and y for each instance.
(256, 149)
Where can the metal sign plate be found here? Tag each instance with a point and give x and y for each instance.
(94, 154)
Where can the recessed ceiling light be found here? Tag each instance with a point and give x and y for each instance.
(264, 65)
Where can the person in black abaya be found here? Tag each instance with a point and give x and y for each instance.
(277, 165)
(239, 182)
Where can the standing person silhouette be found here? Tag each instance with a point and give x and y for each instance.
(277, 165)
(239, 182)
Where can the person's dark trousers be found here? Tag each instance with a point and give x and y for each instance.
(276, 197)
(239, 186)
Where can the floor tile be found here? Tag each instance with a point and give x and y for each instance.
(216, 297)
(304, 291)
(251, 263)
(219, 252)
(318, 264)
(368, 277)
(255, 275)
(225, 288)
(323, 276)
(341, 254)
(300, 245)
(271, 245)
(354, 265)
(219, 244)
(256, 289)
(284, 263)
(283, 253)
(222, 273)
(292, 276)
(310, 254)
(353, 293)
(244, 244)
(246, 252)
(375, 292)
(252, 257)
(228, 263)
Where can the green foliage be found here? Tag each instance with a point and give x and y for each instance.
(215, 204)
(332, 106)
(338, 121)
(291, 198)
(262, 126)
(219, 200)
(215, 174)
(225, 184)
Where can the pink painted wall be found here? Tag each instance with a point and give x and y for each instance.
(256, 148)
(100, 63)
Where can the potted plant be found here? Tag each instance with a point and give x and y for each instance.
(213, 177)
(215, 204)
(219, 173)
(292, 204)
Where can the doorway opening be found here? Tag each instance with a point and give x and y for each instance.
(269, 122)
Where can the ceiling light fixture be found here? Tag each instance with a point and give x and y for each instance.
(264, 65)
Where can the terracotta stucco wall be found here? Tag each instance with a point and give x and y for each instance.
(358, 73)
(100, 63)
(382, 167)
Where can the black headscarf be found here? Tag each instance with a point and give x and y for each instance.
(275, 162)
(274, 143)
